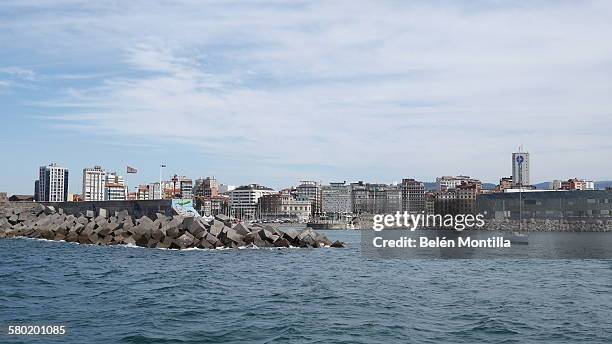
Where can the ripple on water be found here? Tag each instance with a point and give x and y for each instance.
(135, 295)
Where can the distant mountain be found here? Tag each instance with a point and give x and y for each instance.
(603, 184)
(599, 185)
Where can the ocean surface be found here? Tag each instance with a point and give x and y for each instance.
(113, 294)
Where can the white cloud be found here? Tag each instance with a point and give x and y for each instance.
(424, 89)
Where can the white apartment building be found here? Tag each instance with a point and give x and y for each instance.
(243, 200)
(115, 188)
(52, 184)
(94, 180)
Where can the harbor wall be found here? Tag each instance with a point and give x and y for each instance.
(135, 208)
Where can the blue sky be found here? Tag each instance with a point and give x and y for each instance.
(279, 91)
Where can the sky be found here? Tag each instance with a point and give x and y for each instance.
(274, 92)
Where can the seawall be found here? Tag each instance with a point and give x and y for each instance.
(137, 209)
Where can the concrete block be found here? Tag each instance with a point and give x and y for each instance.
(72, 236)
(184, 241)
(158, 234)
(166, 243)
(222, 217)
(59, 236)
(186, 222)
(145, 220)
(306, 232)
(128, 240)
(13, 219)
(103, 213)
(38, 209)
(197, 228)
(49, 210)
(203, 243)
(241, 229)
(281, 242)
(291, 236)
(152, 243)
(121, 215)
(216, 228)
(213, 240)
(250, 238)
(104, 229)
(233, 235)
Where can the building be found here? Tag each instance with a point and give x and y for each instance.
(520, 169)
(36, 187)
(430, 202)
(52, 184)
(206, 187)
(142, 193)
(284, 205)
(451, 182)
(115, 188)
(572, 184)
(311, 191)
(458, 200)
(243, 200)
(212, 205)
(177, 187)
(185, 186)
(547, 204)
(336, 198)
(413, 196)
(94, 180)
(154, 190)
(505, 183)
(224, 188)
(368, 198)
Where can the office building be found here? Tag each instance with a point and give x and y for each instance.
(520, 169)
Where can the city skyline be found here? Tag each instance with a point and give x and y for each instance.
(384, 90)
(87, 183)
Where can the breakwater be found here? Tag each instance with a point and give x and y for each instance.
(101, 227)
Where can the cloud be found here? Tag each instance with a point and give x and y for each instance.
(18, 72)
(417, 87)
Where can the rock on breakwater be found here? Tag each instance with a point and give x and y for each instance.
(174, 232)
